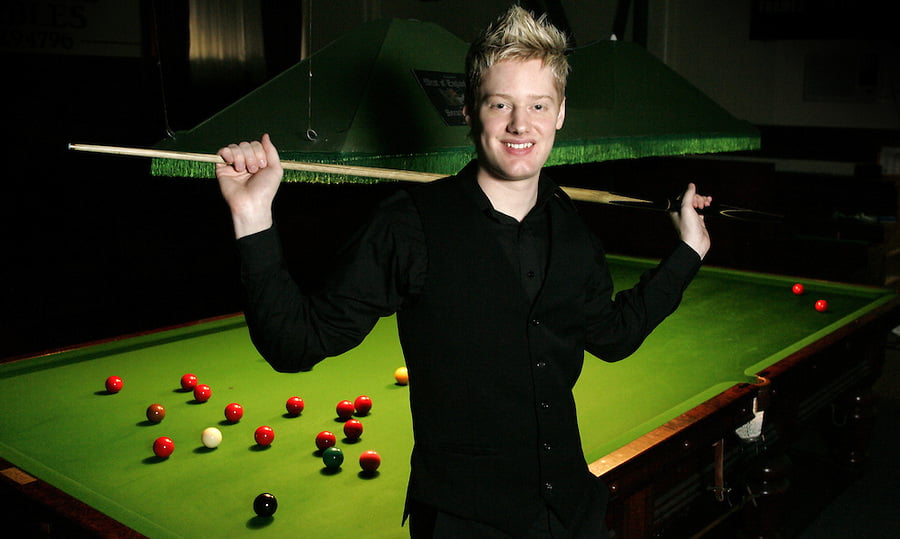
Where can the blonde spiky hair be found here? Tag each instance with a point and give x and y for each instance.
(516, 35)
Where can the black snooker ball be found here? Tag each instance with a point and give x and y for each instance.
(265, 505)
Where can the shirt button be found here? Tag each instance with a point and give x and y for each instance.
(547, 446)
(541, 364)
(530, 275)
(548, 486)
(535, 322)
(545, 405)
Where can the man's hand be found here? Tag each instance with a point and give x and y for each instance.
(249, 179)
(689, 222)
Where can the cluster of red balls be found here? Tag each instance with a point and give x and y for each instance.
(163, 447)
(326, 441)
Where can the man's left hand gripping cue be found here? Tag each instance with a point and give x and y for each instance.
(689, 222)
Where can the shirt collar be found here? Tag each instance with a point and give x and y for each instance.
(546, 189)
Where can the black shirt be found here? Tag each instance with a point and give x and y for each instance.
(524, 243)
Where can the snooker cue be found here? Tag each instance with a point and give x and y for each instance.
(575, 193)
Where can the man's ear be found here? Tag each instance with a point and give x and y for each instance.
(465, 111)
(561, 117)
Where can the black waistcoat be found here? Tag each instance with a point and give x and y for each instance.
(491, 375)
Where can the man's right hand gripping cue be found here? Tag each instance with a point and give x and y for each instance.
(249, 179)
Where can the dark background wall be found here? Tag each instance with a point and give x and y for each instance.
(94, 247)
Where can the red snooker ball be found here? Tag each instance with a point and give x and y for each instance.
(797, 289)
(234, 412)
(363, 405)
(294, 406)
(163, 447)
(821, 305)
(114, 384)
(264, 435)
(156, 413)
(369, 461)
(202, 393)
(353, 429)
(325, 439)
(344, 409)
(188, 382)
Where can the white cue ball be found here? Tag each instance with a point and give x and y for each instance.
(211, 437)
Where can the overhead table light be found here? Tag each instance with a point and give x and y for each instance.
(389, 95)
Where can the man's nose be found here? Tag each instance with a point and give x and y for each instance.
(518, 123)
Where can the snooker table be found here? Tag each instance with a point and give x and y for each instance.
(658, 426)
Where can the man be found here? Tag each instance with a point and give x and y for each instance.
(499, 288)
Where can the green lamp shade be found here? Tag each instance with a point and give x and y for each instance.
(389, 95)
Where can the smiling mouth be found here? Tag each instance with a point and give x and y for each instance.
(520, 146)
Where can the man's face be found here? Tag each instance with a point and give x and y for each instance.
(517, 112)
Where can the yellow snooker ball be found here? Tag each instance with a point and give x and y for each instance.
(402, 376)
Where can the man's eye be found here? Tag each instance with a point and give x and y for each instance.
(539, 106)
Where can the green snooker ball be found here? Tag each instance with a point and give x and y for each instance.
(333, 457)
